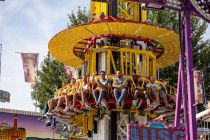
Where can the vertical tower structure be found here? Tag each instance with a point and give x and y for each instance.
(15, 129)
(117, 38)
(128, 10)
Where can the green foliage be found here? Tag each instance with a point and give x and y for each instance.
(81, 17)
(201, 48)
(168, 19)
(50, 77)
(52, 73)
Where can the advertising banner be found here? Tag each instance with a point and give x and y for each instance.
(34, 129)
(155, 131)
(199, 94)
(30, 66)
(71, 72)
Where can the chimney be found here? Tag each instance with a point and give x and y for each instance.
(14, 129)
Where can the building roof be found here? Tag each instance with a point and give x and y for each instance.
(23, 112)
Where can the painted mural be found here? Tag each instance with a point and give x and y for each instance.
(35, 130)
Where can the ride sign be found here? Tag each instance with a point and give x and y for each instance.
(154, 131)
(4, 96)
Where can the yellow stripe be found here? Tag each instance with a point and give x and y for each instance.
(130, 62)
(125, 81)
(108, 61)
(147, 65)
(121, 60)
(133, 82)
(137, 66)
(126, 63)
(113, 62)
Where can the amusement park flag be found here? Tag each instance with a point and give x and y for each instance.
(198, 87)
(30, 66)
(71, 72)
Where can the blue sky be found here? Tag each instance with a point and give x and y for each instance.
(27, 26)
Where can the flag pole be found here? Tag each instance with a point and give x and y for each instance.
(0, 60)
(25, 53)
(35, 58)
(36, 82)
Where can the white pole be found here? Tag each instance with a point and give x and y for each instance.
(0, 60)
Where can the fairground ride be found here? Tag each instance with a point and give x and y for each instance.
(118, 38)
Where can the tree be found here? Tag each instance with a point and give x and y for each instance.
(201, 48)
(52, 73)
(81, 17)
(50, 77)
(170, 19)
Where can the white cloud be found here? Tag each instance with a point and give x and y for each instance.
(207, 34)
(27, 26)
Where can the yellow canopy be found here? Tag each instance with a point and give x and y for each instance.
(62, 44)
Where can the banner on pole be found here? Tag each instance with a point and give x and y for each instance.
(155, 130)
(30, 66)
(198, 82)
(71, 72)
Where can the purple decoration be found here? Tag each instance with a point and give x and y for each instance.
(202, 9)
(189, 71)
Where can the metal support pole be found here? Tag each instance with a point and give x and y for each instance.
(179, 84)
(189, 70)
(181, 92)
(178, 99)
(184, 97)
(183, 78)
